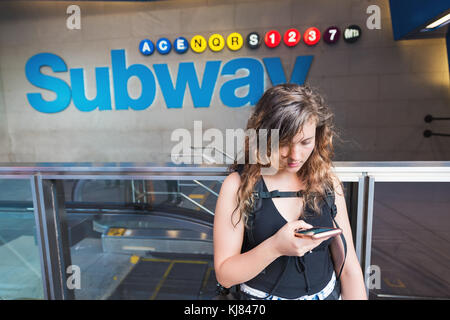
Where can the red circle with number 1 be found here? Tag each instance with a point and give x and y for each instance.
(272, 38)
(311, 36)
(291, 37)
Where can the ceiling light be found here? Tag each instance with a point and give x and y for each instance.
(439, 22)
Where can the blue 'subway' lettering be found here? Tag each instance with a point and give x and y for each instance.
(173, 90)
(201, 95)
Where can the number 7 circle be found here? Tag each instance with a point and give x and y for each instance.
(331, 35)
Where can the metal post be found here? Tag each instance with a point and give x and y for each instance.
(351, 200)
(48, 198)
(41, 239)
(368, 228)
(144, 191)
(359, 218)
(364, 223)
(133, 192)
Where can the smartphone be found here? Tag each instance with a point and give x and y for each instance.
(317, 232)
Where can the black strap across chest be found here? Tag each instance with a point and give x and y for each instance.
(278, 194)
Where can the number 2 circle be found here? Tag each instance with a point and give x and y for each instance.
(291, 37)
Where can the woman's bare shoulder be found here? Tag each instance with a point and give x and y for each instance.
(228, 196)
(231, 182)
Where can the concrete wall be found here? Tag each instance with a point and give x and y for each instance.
(379, 89)
(5, 154)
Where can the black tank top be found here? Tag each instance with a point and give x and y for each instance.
(303, 275)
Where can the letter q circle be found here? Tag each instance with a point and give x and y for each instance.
(216, 42)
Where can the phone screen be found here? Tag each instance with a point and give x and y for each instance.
(315, 230)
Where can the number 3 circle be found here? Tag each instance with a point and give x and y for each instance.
(311, 36)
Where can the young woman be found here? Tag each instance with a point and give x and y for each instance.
(255, 246)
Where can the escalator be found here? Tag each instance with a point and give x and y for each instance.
(155, 249)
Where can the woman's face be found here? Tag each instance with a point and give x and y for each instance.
(294, 155)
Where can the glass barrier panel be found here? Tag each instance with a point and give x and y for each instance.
(147, 239)
(410, 255)
(190, 194)
(20, 267)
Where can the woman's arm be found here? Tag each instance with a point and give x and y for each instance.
(352, 280)
(232, 267)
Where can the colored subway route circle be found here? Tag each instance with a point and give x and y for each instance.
(163, 46)
(352, 33)
(291, 37)
(272, 39)
(146, 47)
(198, 44)
(331, 35)
(311, 36)
(180, 45)
(253, 40)
(216, 42)
(235, 41)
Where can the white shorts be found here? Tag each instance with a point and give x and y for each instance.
(322, 295)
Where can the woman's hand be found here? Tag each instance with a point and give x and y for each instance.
(287, 244)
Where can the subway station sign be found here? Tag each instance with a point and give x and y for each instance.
(173, 88)
(235, 41)
(173, 85)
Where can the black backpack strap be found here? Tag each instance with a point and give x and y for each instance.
(278, 194)
(330, 200)
(239, 168)
(260, 194)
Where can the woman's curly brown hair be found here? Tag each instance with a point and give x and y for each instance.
(287, 107)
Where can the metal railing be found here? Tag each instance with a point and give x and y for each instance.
(51, 221)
